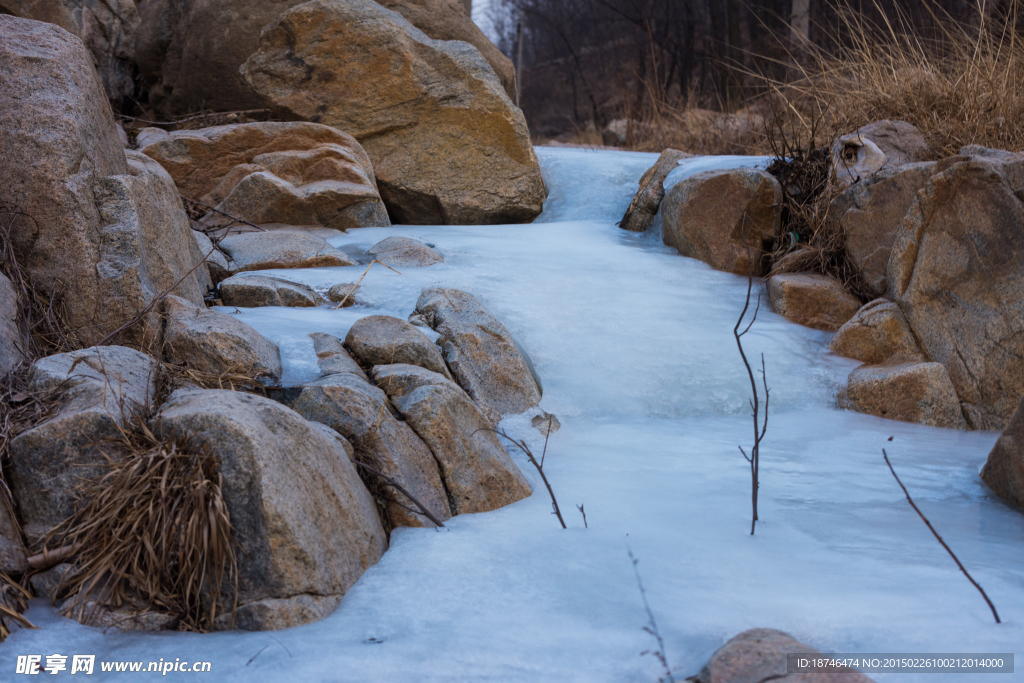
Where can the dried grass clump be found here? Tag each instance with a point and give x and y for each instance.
(962, 84)
(154, 534)
(13, 603)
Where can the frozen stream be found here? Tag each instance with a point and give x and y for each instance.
(634, 345)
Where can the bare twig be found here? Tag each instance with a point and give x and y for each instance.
(359, 281)
(49, 558)
(521, 445)
(939, 538)
(401, 489)
(194, 117)
(652, 626)
(584, 513)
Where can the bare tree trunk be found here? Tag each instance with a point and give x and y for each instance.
(800, 22)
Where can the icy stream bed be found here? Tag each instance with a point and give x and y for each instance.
(634, 345)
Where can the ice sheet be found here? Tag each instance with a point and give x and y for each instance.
(634, 346)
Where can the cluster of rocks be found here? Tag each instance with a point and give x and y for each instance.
(396, 430)
(936, 246)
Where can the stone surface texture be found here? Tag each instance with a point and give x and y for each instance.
(447, 144)
(813, 300)
(12, 341)
(384, 340)
(404, 252)
(906, 391)
(878, 333)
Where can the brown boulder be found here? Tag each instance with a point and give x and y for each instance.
(957, 272)
(384, 340)
(647, 200)
(404, 252)
(878, 333)
(216, 343)
(481, 353)
(811, 299)
(295, 173)
(760, 655)
(333, 358)
(723, 218)
(252, 291)
(905, 391)
(108, 241)
(447, 145)
(305, 525)
(1004, 470)
(107, 28)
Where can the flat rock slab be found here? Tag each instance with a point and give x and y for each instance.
(481, 353)
(101, 387)
(404, 252)
(332, 357)
(217, 343)
(478, 473)
(909, 392)
(384, 340)
(282, 249)
(813, 300)
(878, 333)
(306, 526)
(252, 291)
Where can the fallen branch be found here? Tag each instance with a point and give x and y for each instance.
(394, 484)
(584, 513)
(194, 117)
(50, 558)
(939, 538)
(521, 445)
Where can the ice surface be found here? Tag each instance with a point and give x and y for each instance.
(634, 345)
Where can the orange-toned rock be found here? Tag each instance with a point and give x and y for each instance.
(1004, 470)
(723, 217)
(878, 333)
(447, 144)
(811, 299)
(909, 392)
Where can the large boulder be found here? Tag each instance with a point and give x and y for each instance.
(189, 51)
(305, 525)
(216, 343)
(957, 273)
(723, 218)
(107, 28)
(478, 473)
(281, 249)
(1004, 469)
(253, 291)
(878, 333)
(813, 300)
(384, 340)
(344, 400)
(481, 353)
(647, 201)
(100, 389)
(107, 241)
(12, 340)
(296, 173)
(759, 655)
(447, 144)
(906, 391)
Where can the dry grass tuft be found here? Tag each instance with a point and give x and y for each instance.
(154, 534)
(13, 603)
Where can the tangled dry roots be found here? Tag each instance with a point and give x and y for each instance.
(154, 533)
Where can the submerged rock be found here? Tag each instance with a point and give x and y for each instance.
(1004, 470)
(281, 249)
(404, 252)
(447, 144)
(259, 290)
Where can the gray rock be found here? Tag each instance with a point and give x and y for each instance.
(13, 557)
(216, 343)
(46, 583)
(282, 249)
(384, 340)
(361, 413)
(647, 201)
(12, 351)
(345, 293)
(404, 252)
(307, 528)
(252, 291)
(484, 358)
(333, 358)
(545, 423)
(101, 387)
(759, 655)
(219, 265)
(478, 473)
